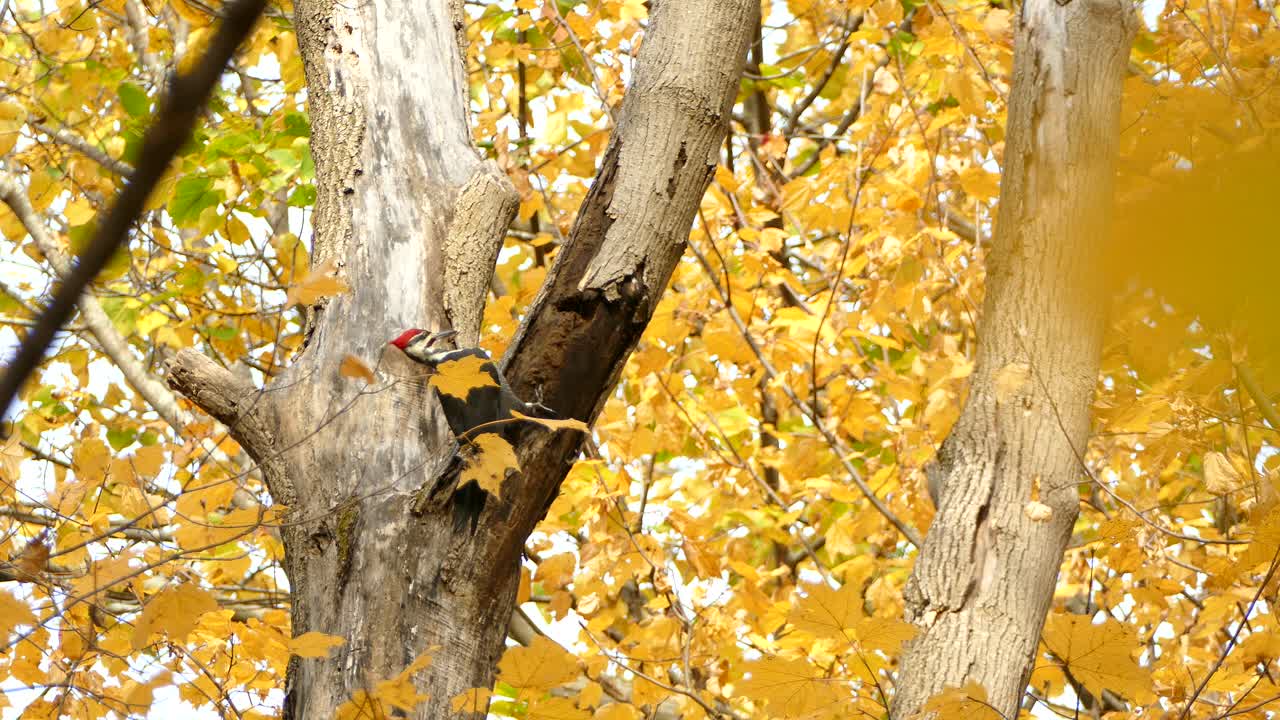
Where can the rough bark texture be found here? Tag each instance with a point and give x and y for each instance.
(632, 227)
(414, 219)
(985, 576)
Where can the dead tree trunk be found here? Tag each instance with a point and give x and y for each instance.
(985, 576)
(414, 221)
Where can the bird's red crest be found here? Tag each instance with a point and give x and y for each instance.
(406, 337)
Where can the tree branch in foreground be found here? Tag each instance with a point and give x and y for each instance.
(113, 345)
(169, 130)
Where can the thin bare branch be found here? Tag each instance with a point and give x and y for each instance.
(908, 532)
(86, 148)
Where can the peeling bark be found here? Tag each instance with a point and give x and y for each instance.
(985, 576)
(414, 220)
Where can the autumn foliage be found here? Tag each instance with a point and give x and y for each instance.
(714, 552)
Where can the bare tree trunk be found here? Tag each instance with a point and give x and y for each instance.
(414, 221)
(985, 576)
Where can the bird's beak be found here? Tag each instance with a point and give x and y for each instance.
(442, 335)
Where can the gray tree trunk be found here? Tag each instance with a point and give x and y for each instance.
(985, 577)
(414, 220)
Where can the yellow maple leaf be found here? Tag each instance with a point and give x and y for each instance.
(79, 211)
(104, 573)
(362, 706)
(960, 703)
(569, 424)
(459, 377)
(837, 614)
(11, 457)
(314, 644)
(319, 283)
(525, 588)
(556, 571)
(883, 634)
(979, 183)
(1149, 414)
(91, 460)
(791, 687)
(174, 611)
(541, 666)
(192, 13)
(398, 693)
(400, 687)
(67, 496)
(828, 613)
(148, 461)
(591, 694)
(998, 26)
(475, 700)
(1117, 530)
(12, 117)
(555, 708)
(354, 367)
(629, 10)
(1099, 656)
(142, 694)
(201, 530)
(30, 561)
(1220, 475)
(13, 612)
(151, 321)
(554, 128)
(489, 464)
(1263, 545)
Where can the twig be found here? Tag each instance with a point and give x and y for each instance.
(908, 532)
(793, 118)
(86, 148)
(1251, 708)
(1271, 571)
(42, 455)
(846, 122)
(669, 688)
(124, 530)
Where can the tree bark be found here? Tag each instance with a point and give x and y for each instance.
(985, 576)
(414, 219)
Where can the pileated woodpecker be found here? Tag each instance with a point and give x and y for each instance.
(484, 407)
(484, 410)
